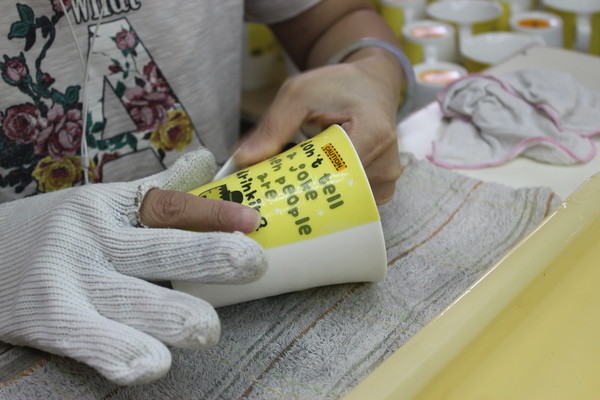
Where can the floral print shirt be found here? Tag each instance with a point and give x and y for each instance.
(163, 78)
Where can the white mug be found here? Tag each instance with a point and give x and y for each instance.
(397, 13)
(544, 25)
(319, 221)
(470, 16)
(581, 19)
(433, 76)
(510, 8)
(482, 51)
(429, 40)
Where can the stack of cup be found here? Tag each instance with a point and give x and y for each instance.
(431, 47)
(480, 52)
(510, 8)
(544, 25)
(428, 40)
(432, 77)
(581, 23)
(446, 39)
(470, 17)
(480, 44)
(397, 13)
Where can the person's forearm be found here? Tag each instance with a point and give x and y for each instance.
(311, 38)
(315, 35)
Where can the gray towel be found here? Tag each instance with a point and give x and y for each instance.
(443, 230)
(541, 114)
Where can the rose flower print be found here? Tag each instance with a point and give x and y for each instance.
(176, 133)
(63, 133)
(23, 123)
(57, 174)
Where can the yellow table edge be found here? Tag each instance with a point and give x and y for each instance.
(407, 372)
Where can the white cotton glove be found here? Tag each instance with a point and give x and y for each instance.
(72, 265)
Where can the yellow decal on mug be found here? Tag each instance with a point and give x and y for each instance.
(316, 188)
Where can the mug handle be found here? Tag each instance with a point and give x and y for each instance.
(583, 32)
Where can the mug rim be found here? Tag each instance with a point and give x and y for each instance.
(407, 29)
(531, 40)
(458, 6)
(396, 2)
(439, 65)
(573, 6)
(554, 19)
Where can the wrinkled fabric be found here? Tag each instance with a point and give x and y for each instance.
(442, 230)
(544, 115)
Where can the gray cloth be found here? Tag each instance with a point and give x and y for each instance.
(544, 115)
(442, 229)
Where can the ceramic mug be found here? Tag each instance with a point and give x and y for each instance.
(482, 51)
(429, 40)
(319, 221)
(581, 23)
(397, 13)
(433, 76)
(468, 16)
(544, 25)
(510, 8)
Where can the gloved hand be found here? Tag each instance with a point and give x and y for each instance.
(72, 265)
